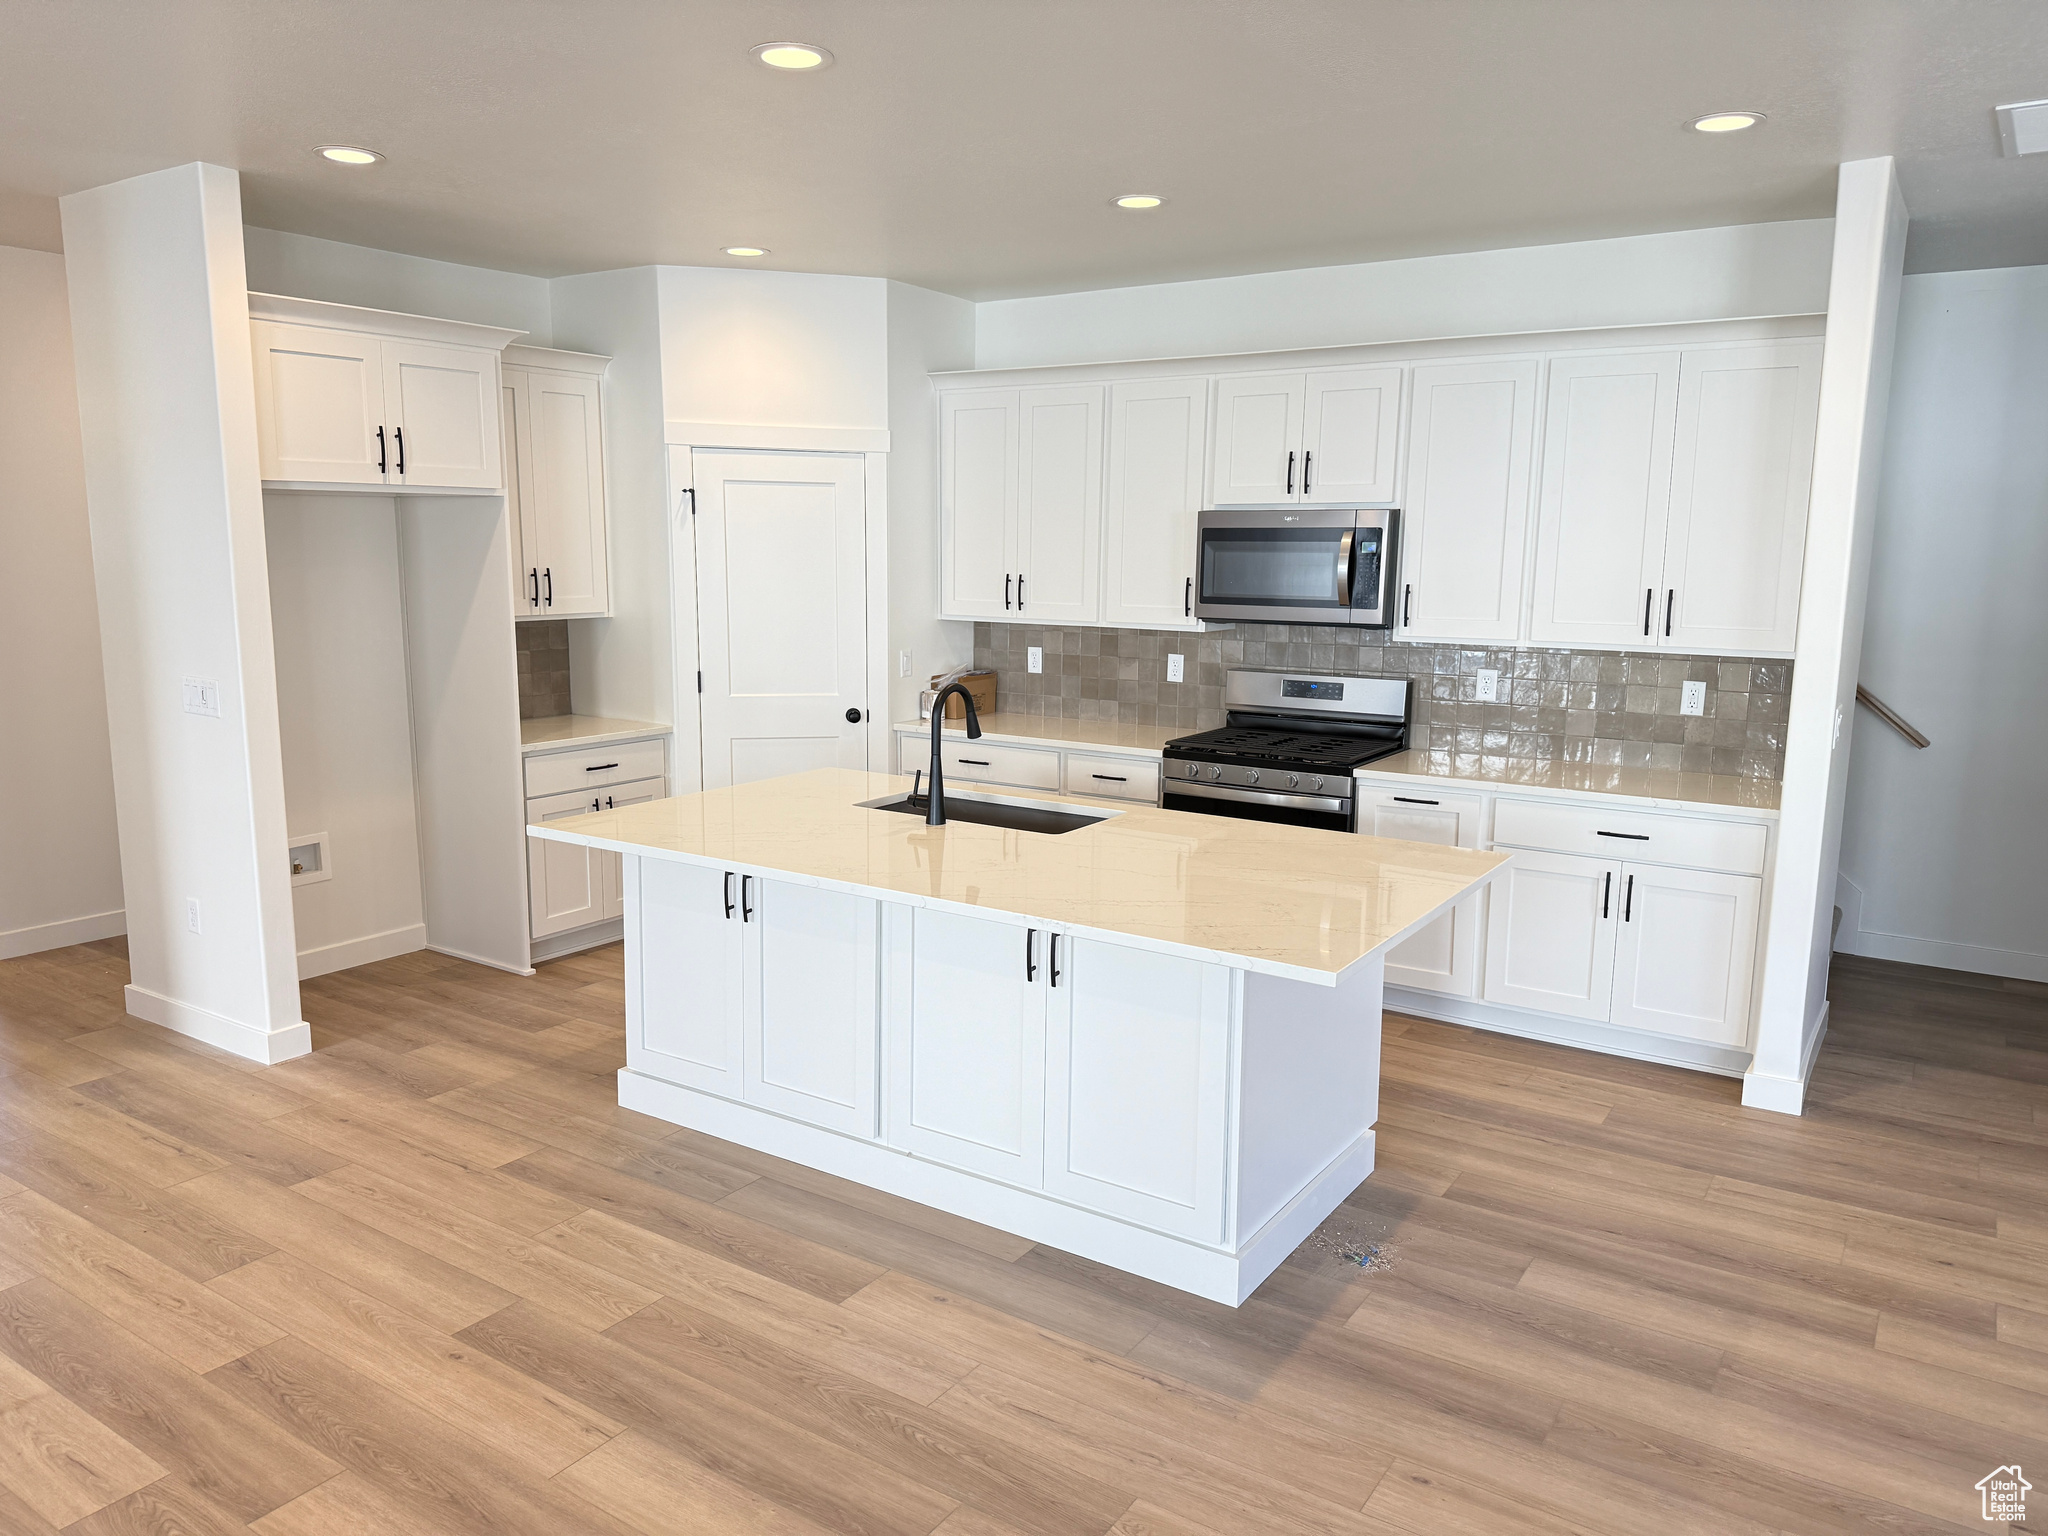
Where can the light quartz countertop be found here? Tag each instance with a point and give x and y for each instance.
(1048, 730)
(554, 731)
(1287, 901)
(1718, 792)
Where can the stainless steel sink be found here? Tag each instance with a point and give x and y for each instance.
(1015, 815)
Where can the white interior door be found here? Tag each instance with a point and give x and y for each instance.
(567, 494)
(683, 988)
(967, 1046)
(1350, 430)
(1685, 951)
(812, 977)
(442, 406)
(1258, 438)
(1059, 505)
(781, 613)
(1444, 957)
(1742, 473)
(1158, 437)
(564, 882)
(1606, 498)
(978, 503)
(1550, 934)
(319, 404)
(1468, 500)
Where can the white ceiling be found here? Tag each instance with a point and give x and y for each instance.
(973, 145)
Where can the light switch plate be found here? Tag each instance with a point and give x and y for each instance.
(1488, 685)
(1692, 699)
(1034, 658)
(903, 663)
(202, 697)
(1176, 667)
(192, 913)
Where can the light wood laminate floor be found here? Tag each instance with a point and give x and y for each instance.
(432, 1278)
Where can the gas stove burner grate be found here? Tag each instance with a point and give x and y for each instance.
(1242, 745)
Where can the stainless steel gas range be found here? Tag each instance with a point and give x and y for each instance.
(1288, 752)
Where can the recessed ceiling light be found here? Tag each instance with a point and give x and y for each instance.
(1726, 122)
(1139, 200)
(347, 154)
(796, 56)
(744, 250)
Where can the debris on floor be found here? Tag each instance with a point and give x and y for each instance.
(1345, 1243)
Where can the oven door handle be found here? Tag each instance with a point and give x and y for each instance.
(1329, 805)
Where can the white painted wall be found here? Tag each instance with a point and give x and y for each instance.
(1695, 274)
(160, 334)
(1863, 306)
(782, 349)
(339, 628)
(60, 859)
(308, 268)
(1947, 848)
(927, 331)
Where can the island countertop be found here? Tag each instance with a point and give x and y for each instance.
(1286, 901)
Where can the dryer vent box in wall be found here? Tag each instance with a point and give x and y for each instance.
(2023, 127)
(310, 862)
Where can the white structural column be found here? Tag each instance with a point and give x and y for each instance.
(160, 331)
(1863, 306)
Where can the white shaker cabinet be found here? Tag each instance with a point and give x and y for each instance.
(1685, 951)
(320, 404)
(809, 982)
(554, 477)
(683, 962)
(1606, 497)
(565, 883)
(1467, 513)
(1443, 957)
(1551, 934)
(978, 503)
(1742, 471)
(1158, 437)
(1058, 538)
(966, 1031)
(1326, 438)
(442, 404)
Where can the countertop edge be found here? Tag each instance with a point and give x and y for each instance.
(1619, 799)
(1026, 739)
(599, 739)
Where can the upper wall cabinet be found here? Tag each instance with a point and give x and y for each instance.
(554, 482)
(1467, 514)
(1020, 504)
(1327, 438)
(1157, 442)
(352, 398)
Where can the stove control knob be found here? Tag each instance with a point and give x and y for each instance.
(1294, 781)
(1215, 773)
(1316, 782)
(1251, 776)
(1193, 770)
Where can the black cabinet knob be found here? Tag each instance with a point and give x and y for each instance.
(853, 717)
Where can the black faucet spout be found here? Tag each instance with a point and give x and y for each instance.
(935, 799)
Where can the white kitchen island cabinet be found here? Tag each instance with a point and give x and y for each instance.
(1153, 1041)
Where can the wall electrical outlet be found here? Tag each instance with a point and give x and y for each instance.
(1176, 667)
(1488, 685)
(202, 697)
(903, 663)
(1692, 699)
(192, 913)
(1034, 658)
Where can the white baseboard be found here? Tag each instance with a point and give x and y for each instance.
(556, 945)
(268, 1046)
(1205, 1269)
(353, 952)
(1787, 1095)
(1665, 1050)
(71, 930)
(463, 954)
(1945, 954)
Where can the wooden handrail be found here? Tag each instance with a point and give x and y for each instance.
(1889, 716)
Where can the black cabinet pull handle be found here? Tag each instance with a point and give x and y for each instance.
(978, 762)
(1634, 837)
(599, 767)
(1628, 900)
(596, 804)
(746, 898)
(1187, 607)
(1020, 591)
(1111, 778)
(380, 452)
(1006, 592)
(608, 803)
(1055, 959)
(1290, 471)
(548, 576)
(1606, 890)
(1649, 597)
(1030, 954)
(728, 895)
(1407, 603)
(398, 437)
(1307, 458)
(1411, 800)
(1670, 597)
(534, 576)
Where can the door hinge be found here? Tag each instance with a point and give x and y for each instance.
(700, 682)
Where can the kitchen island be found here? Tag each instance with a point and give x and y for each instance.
(1153, 1041)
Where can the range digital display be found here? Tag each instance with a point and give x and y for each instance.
(1303, 688)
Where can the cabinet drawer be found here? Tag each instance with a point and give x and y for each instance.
(1648, 837)
(557, 773)
(1118, 778)
(976, 762)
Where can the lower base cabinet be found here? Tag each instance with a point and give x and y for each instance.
(1443, 957)
(567, 886)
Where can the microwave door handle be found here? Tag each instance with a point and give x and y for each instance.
(1347, 556)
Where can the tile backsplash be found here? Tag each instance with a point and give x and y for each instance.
(1570, 706)
(543, 668)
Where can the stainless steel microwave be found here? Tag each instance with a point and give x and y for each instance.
(1327, 565)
